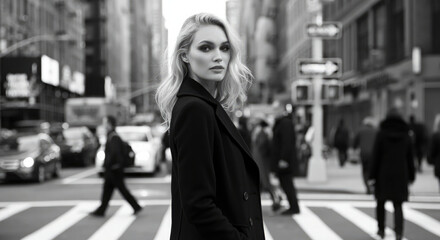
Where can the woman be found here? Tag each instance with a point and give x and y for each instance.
(215, 181)
(434, 148)
(392, 169)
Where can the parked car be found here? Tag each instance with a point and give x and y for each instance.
(8, 139)
(78, 146)
(144, 145)
(36, 158)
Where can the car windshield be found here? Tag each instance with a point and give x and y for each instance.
(132, 135)
(25, 144)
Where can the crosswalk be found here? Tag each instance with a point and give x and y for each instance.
(319, 220)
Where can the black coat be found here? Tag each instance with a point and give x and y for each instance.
(215, 181)
(434, 153)
(284, 145)
(114, 159)
(393, 161)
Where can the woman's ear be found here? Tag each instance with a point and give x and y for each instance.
(184, 58)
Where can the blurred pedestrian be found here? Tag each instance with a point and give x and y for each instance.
(341, 141)
(244, 131)
(364, 141)
(420, 140)
(434, 148)
(392, 169)
(285, 159)
(261, 142)
(114, 170)
(215, 181)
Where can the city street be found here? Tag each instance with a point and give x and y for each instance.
(58, 209)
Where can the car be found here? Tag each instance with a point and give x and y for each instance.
(145, 146)
(78, 145)
(8, 139)
(36, 158)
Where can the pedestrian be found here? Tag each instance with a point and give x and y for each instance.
(341, 141)
(392, 169)
(418, 131)
(114, 170)
(285, 159)
(434, 148)
(215, 181)
(262, 153)
(244, 131)
(364, 141)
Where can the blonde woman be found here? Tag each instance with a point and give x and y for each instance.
(215, 181)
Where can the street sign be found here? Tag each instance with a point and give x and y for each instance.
(326, 68)
(328, 30)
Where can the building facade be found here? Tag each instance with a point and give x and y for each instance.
(391, 53)
(47, 64)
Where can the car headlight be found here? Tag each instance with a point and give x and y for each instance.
(27, 162)
(100, 155)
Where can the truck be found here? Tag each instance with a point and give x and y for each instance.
(89, 111)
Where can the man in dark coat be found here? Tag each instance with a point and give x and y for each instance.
(364, 141)
(392, 169)
(419, 135)
(114, 170)
(215, 181)
(285, 159)
(341, 142)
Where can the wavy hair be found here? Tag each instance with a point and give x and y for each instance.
(231, 91)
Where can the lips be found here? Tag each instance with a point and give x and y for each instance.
(217, 68)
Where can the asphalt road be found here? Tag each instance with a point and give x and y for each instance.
(58, 209)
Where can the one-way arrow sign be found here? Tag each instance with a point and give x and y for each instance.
(326, 68)
(330, 30)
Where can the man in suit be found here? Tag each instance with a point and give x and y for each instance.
(284, 161)
(114, 170)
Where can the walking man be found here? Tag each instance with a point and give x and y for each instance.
(284, 161)
(114, 170)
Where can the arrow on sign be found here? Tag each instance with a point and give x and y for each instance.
(326, 30)
(325, 68)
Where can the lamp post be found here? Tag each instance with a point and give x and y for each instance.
(25, 42)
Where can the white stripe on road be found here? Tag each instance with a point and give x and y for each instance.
(424, 221)
(164, 231)
(314, 226)
(360, 219)
(78, 176)
(150, 202)
(92, 181)
(267, 234)
(62, 223)
(116, 225)
(13, 209)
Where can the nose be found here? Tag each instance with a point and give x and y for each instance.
(217, 56)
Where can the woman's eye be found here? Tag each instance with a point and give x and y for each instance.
(205, 48)
(225, 48)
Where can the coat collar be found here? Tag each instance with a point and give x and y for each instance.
(190, 87)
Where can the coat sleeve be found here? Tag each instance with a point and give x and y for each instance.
(374, 167)
(194, 141)
(410, 161)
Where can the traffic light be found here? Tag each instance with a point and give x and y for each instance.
(332, 91)
(301, 91)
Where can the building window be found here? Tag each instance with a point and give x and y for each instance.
(362, 43)
(397, 35)
(435, 26)
(379, 44)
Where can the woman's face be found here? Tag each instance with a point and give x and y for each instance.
(209, 54)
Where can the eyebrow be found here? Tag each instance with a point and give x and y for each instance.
(209, 42)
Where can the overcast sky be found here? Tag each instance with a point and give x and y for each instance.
(176, 11)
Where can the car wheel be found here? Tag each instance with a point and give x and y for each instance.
(40, 174)
(57, 170)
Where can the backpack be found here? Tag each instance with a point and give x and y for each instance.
(127, 153)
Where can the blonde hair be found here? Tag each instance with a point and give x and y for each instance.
(231, 92)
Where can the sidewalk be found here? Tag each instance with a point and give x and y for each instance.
(349, 180)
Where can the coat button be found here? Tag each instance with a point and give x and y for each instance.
(245, 196)
(251, 222)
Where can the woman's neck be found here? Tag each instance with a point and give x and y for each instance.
(210, 86)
